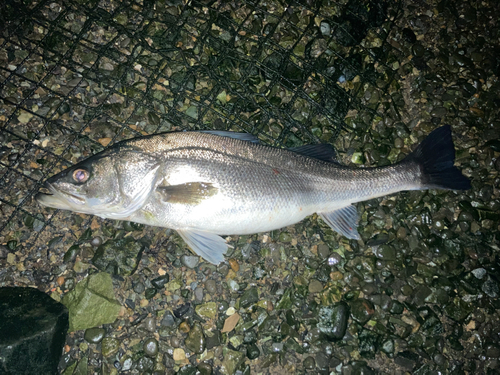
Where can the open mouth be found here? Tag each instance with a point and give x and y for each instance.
(52, 197)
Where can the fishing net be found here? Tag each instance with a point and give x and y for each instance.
(77, 76)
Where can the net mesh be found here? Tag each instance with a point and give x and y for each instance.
(77, 76)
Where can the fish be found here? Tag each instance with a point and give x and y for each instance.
(207, 184)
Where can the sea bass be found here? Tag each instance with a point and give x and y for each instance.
(207, 184)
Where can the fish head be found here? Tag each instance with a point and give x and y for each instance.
(112, 184)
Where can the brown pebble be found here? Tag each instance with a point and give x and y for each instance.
(184, 327)
(336, 276)
(60, 280)
(234, 265)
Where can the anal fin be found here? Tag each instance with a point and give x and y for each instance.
(343, 220)
(209, 246)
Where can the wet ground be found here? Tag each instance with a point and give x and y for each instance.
(417, 294)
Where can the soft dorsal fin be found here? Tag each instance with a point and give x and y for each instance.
(322, 151)
(241, 136)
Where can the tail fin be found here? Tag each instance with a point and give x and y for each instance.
(436, 155)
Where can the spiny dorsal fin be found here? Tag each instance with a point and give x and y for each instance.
(241, 136)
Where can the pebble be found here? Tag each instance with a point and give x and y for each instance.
(150, 324)
(179, 354)
(198, 294)
(150, 347)
(323, 251)
(211, 286)
(332, 321)
(160, 281)
(195, 341)
(109, 346)
(334, 259)
(96, 241)
(190, 261)
(362, 310)
(309, 363)
(94, 335)
(315, 286)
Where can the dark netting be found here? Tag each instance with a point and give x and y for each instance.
(79, 75)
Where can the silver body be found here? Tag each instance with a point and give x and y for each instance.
(206, 184)
(259, 188)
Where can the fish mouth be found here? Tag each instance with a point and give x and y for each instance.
(58, 199)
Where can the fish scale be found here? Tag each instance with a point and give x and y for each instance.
(207, 184)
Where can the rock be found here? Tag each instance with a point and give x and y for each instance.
(362, 310)
(232, 360)
(249, 297)
(119, 257)
(92, 302)
(190, 261)
(32, 331)
(195, 340)
(315, 286)
(109, 346)
(94, 335)
(207, 310)
(150, 347)
(160, 281)
(332, 321)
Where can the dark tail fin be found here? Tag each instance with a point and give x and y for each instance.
(436, 155)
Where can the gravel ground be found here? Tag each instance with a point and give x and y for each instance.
(417, 294)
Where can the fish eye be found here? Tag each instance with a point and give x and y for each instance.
(81, 175)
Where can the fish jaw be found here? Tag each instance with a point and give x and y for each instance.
(60, 199)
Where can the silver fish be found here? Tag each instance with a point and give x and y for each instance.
(207, 184)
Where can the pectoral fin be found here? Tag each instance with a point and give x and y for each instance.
(188, 193)
(209, 246)
(344, 221)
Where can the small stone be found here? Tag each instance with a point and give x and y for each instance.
(184, 327)
(232, 360)
(214, 340)
(285, 237)
(362, 310)
(120, 256)
(94, 335)
(198, 294)
(233, 263)
(195, 341)
(211, 286)
(150, 324)
(332, 321)
(204, 368)
(334, 259)
(323, 251)
(168, 319)
(309, 363)
(150, 347)
(233, 285)
(315, 286)
(252, 351)
(160, 281)
(249, 297)
(109, 346)
(190, 261)
(96, 241)
(385, 252)
(179, 354)
(207, 310)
